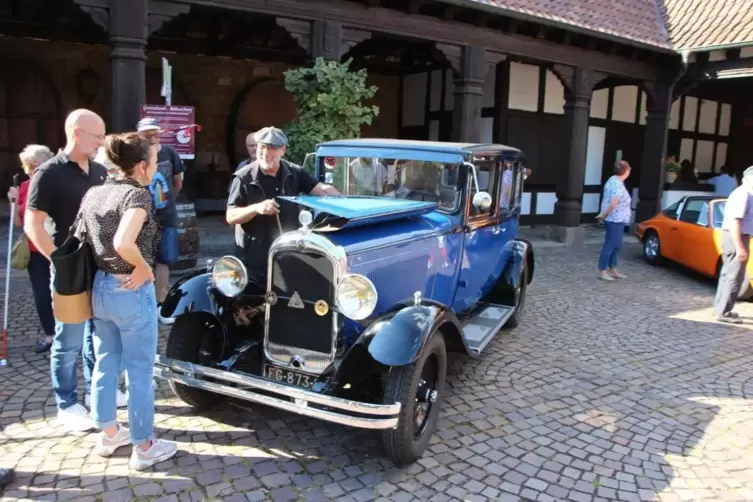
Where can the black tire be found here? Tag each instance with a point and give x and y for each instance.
(402, 444)
(652, 248)
(184, 344)
(519, 300)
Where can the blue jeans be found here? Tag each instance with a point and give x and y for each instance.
(125, 324)
(39, 275)
(610, 252)
(70, 341)
(168, 252)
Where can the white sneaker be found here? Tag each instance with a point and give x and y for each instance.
(121, 399)
(106, 445)
(75, 418)
(159, 452)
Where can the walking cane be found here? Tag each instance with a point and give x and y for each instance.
(4, 342)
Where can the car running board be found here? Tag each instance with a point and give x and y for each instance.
(480, 326)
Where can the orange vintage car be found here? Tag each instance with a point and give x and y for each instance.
(689, 233)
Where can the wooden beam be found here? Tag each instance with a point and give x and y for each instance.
(735, 68)
(429, 28)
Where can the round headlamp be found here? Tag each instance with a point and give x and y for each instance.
(229, 276)
(356, 297)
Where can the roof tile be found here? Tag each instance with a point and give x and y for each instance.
(667, 24)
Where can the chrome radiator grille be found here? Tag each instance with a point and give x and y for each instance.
(295, 335)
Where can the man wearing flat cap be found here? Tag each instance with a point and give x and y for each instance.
(252, 207)
(737, 228)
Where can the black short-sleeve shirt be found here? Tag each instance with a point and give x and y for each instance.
(250, 186)
(58, 187)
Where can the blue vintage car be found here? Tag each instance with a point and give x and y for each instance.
(418, 258)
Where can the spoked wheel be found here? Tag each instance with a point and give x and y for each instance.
(419, 388)
(652, 248)
(426, 396)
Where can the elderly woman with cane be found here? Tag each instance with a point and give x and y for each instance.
(38, 267)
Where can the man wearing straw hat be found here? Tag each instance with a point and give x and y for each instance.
(252, 208)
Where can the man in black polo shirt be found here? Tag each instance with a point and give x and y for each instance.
(252, 208)
(56, 189)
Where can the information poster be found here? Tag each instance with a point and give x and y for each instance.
(178, 124)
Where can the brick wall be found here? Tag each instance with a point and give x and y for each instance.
(209, 83)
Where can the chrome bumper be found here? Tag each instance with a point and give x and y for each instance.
(295, 400)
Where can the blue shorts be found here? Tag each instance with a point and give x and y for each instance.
(167, 254)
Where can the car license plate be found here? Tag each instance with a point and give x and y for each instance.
(290, 377)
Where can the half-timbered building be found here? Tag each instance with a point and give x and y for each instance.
(576, 85)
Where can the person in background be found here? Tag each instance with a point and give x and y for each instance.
(737, 228)
(724, 183)
(615, 214)
(124, 234)
(39, 267)
(101, 158)
(56, 191)
(687, 172)
(251, 148)
(165, 185)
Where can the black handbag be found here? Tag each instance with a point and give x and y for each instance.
(74, 268)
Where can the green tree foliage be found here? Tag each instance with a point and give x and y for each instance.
(329, 100)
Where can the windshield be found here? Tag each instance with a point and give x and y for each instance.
(401, 179)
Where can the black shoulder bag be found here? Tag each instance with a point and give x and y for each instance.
(74, 276)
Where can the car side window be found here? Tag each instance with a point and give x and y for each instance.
(718, 214)
(696, 212)
(671, 211)
(486, 173)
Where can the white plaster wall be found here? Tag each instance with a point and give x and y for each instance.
(707, 119)
(644, 109)
(545, 202)
(414, 99)
(717, 55)
(674, 118)
(487, 130)
(595, 155)
(590, 203)
(624, 103)
(704, 156)
(725, 119)
(525, 203)
(554, 97)
(721, 154)
(524, 87)
(600, 104)
(686, 149)
(691, 113)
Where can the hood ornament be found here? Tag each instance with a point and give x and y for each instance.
(417, 296)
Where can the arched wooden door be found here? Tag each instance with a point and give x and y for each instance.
(30, 113)
(261, 104)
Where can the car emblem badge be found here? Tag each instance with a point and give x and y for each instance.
(295, 301)
(321, 307)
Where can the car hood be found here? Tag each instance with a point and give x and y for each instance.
(337, 213)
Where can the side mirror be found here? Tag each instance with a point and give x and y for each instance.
(482, 201)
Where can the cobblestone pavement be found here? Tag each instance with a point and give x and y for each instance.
(607, 391)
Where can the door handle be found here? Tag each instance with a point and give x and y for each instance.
(674, 229)
(496, 230)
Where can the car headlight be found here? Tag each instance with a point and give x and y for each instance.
(229, 276)
(356, 297)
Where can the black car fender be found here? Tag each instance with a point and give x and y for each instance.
(398, 336)
(192, 293)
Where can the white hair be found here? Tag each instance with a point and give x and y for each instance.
(34, 155)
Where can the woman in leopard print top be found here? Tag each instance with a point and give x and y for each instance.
(120, 226)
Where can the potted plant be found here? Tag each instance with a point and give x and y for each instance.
(671, 170)
(329, 100)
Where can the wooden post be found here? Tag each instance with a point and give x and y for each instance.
(654, 153)
(128, 35)
(469, 94)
